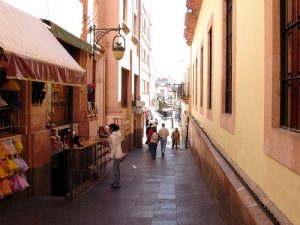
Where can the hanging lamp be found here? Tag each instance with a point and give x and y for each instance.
(10, 85)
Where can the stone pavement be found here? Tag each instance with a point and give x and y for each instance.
(165, 191)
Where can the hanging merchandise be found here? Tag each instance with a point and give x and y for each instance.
(10, 85)
(23, 165)
(19, 183)
(8, 147)
(18, 145)
(3, 173)
(6, 186)
(12, 167)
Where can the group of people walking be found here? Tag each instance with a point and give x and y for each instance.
(112, 132)
(153, 137)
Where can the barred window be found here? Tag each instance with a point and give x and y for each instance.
(290, 65)
(209, 100)
(228, 88)
(196, 82)
(201, 77)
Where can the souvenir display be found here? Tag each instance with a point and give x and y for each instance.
(18, 145)
(12, 168)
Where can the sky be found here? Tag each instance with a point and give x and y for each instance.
(170, 54)
(47, 9)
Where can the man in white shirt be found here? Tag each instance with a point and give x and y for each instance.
(163, 133)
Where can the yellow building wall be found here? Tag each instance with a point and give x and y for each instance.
(246, 145)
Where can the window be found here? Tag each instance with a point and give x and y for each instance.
(136, 5)
(196, 83)
(278, 114)
(201, 77)
(148, 88)
(144, 87)
(209, 80)
(125, 10)
(228, 80)
(9, 104)
(61, 103)
(135, 26)
(136, 87)
(145, 26)
(162, 94)
(193, 82)
(124, 91)
(290, 66)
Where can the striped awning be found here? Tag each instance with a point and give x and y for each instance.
(32, 52)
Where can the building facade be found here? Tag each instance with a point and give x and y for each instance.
(145, 75)
(244, 106)
(51, 95)
(122, 83)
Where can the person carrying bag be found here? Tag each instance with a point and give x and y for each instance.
(153, 143)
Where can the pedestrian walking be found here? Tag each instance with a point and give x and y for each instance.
(153, 143)
(116, 154)
(149, 132)
(175, 138)
(163, 134)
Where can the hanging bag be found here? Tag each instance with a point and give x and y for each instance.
(5, 186)
(18, 145)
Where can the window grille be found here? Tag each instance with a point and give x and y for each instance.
(290, 65)
(228, 88)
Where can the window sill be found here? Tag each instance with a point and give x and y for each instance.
(209, 114)
(277, 139)
(228, 122)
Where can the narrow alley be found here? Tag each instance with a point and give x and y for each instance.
(166, 191)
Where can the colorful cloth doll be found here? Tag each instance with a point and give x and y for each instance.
(4, 148)
(5, 186)
(3, 173)
(13, 180)
(12, 147)
(20, 183)
(8, 147)
(11, 166)
(23, 165)
(18, 145)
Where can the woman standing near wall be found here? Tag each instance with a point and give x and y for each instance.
(116, 154)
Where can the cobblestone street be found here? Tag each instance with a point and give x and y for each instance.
(164, 191)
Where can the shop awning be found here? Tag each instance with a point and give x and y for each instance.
(67, 37)
(33, 52)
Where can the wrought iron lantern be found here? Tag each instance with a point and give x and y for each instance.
(118, 44)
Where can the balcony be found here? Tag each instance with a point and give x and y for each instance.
(182, 92)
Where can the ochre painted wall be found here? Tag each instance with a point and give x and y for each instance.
(246, 144)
